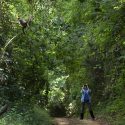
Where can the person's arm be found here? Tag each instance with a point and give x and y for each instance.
(89, 90)
(82, 90)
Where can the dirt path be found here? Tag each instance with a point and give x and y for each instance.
(75, 121)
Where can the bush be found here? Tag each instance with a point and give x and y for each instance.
(35, 116)
(57, 109)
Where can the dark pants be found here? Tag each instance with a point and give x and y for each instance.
(89, 107)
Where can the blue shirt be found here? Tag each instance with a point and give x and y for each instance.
(85, 95)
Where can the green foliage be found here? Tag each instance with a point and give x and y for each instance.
(35, 116)
(68, 43)
(57, 109)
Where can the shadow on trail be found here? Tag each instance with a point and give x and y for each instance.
(74, 121)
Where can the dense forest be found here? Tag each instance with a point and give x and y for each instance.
(61, 45)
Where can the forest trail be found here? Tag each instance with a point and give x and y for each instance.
(75, 121)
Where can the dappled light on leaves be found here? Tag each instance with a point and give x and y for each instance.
(67, 44)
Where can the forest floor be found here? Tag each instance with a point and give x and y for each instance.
(76, 121)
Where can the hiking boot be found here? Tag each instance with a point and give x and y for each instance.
(92, 115)
(81, 116)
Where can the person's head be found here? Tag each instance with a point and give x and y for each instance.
(85, 86)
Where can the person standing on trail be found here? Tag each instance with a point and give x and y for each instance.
(86, 99)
